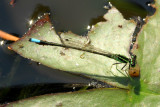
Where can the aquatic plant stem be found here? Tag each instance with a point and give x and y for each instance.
(7, 36)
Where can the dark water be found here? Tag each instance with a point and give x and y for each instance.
(17, 73)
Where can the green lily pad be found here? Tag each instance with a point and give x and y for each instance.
(113, 36)
(91, 98)
(149, 53)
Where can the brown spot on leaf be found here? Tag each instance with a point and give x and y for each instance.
(62, 53)
(66, 48)
(21, 46)
(67, 39)
(39, 23)
(120, 26)
(135, 46)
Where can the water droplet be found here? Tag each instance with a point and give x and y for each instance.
(88, 27)
(77, 64)
(30, 22)
(149, 4)
(106, 7)
(110, 4)
(74, 88)
(144, 19)
(2, 42)
(89, 84)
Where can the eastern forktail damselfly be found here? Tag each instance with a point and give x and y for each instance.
(91, 49)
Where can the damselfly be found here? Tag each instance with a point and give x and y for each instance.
(92, 49)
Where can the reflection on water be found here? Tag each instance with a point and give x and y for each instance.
(24, 91)
(74, 15)
(130, 8)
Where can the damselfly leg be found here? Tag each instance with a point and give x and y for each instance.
(120, 70)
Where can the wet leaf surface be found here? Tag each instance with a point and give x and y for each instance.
(112, 36)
